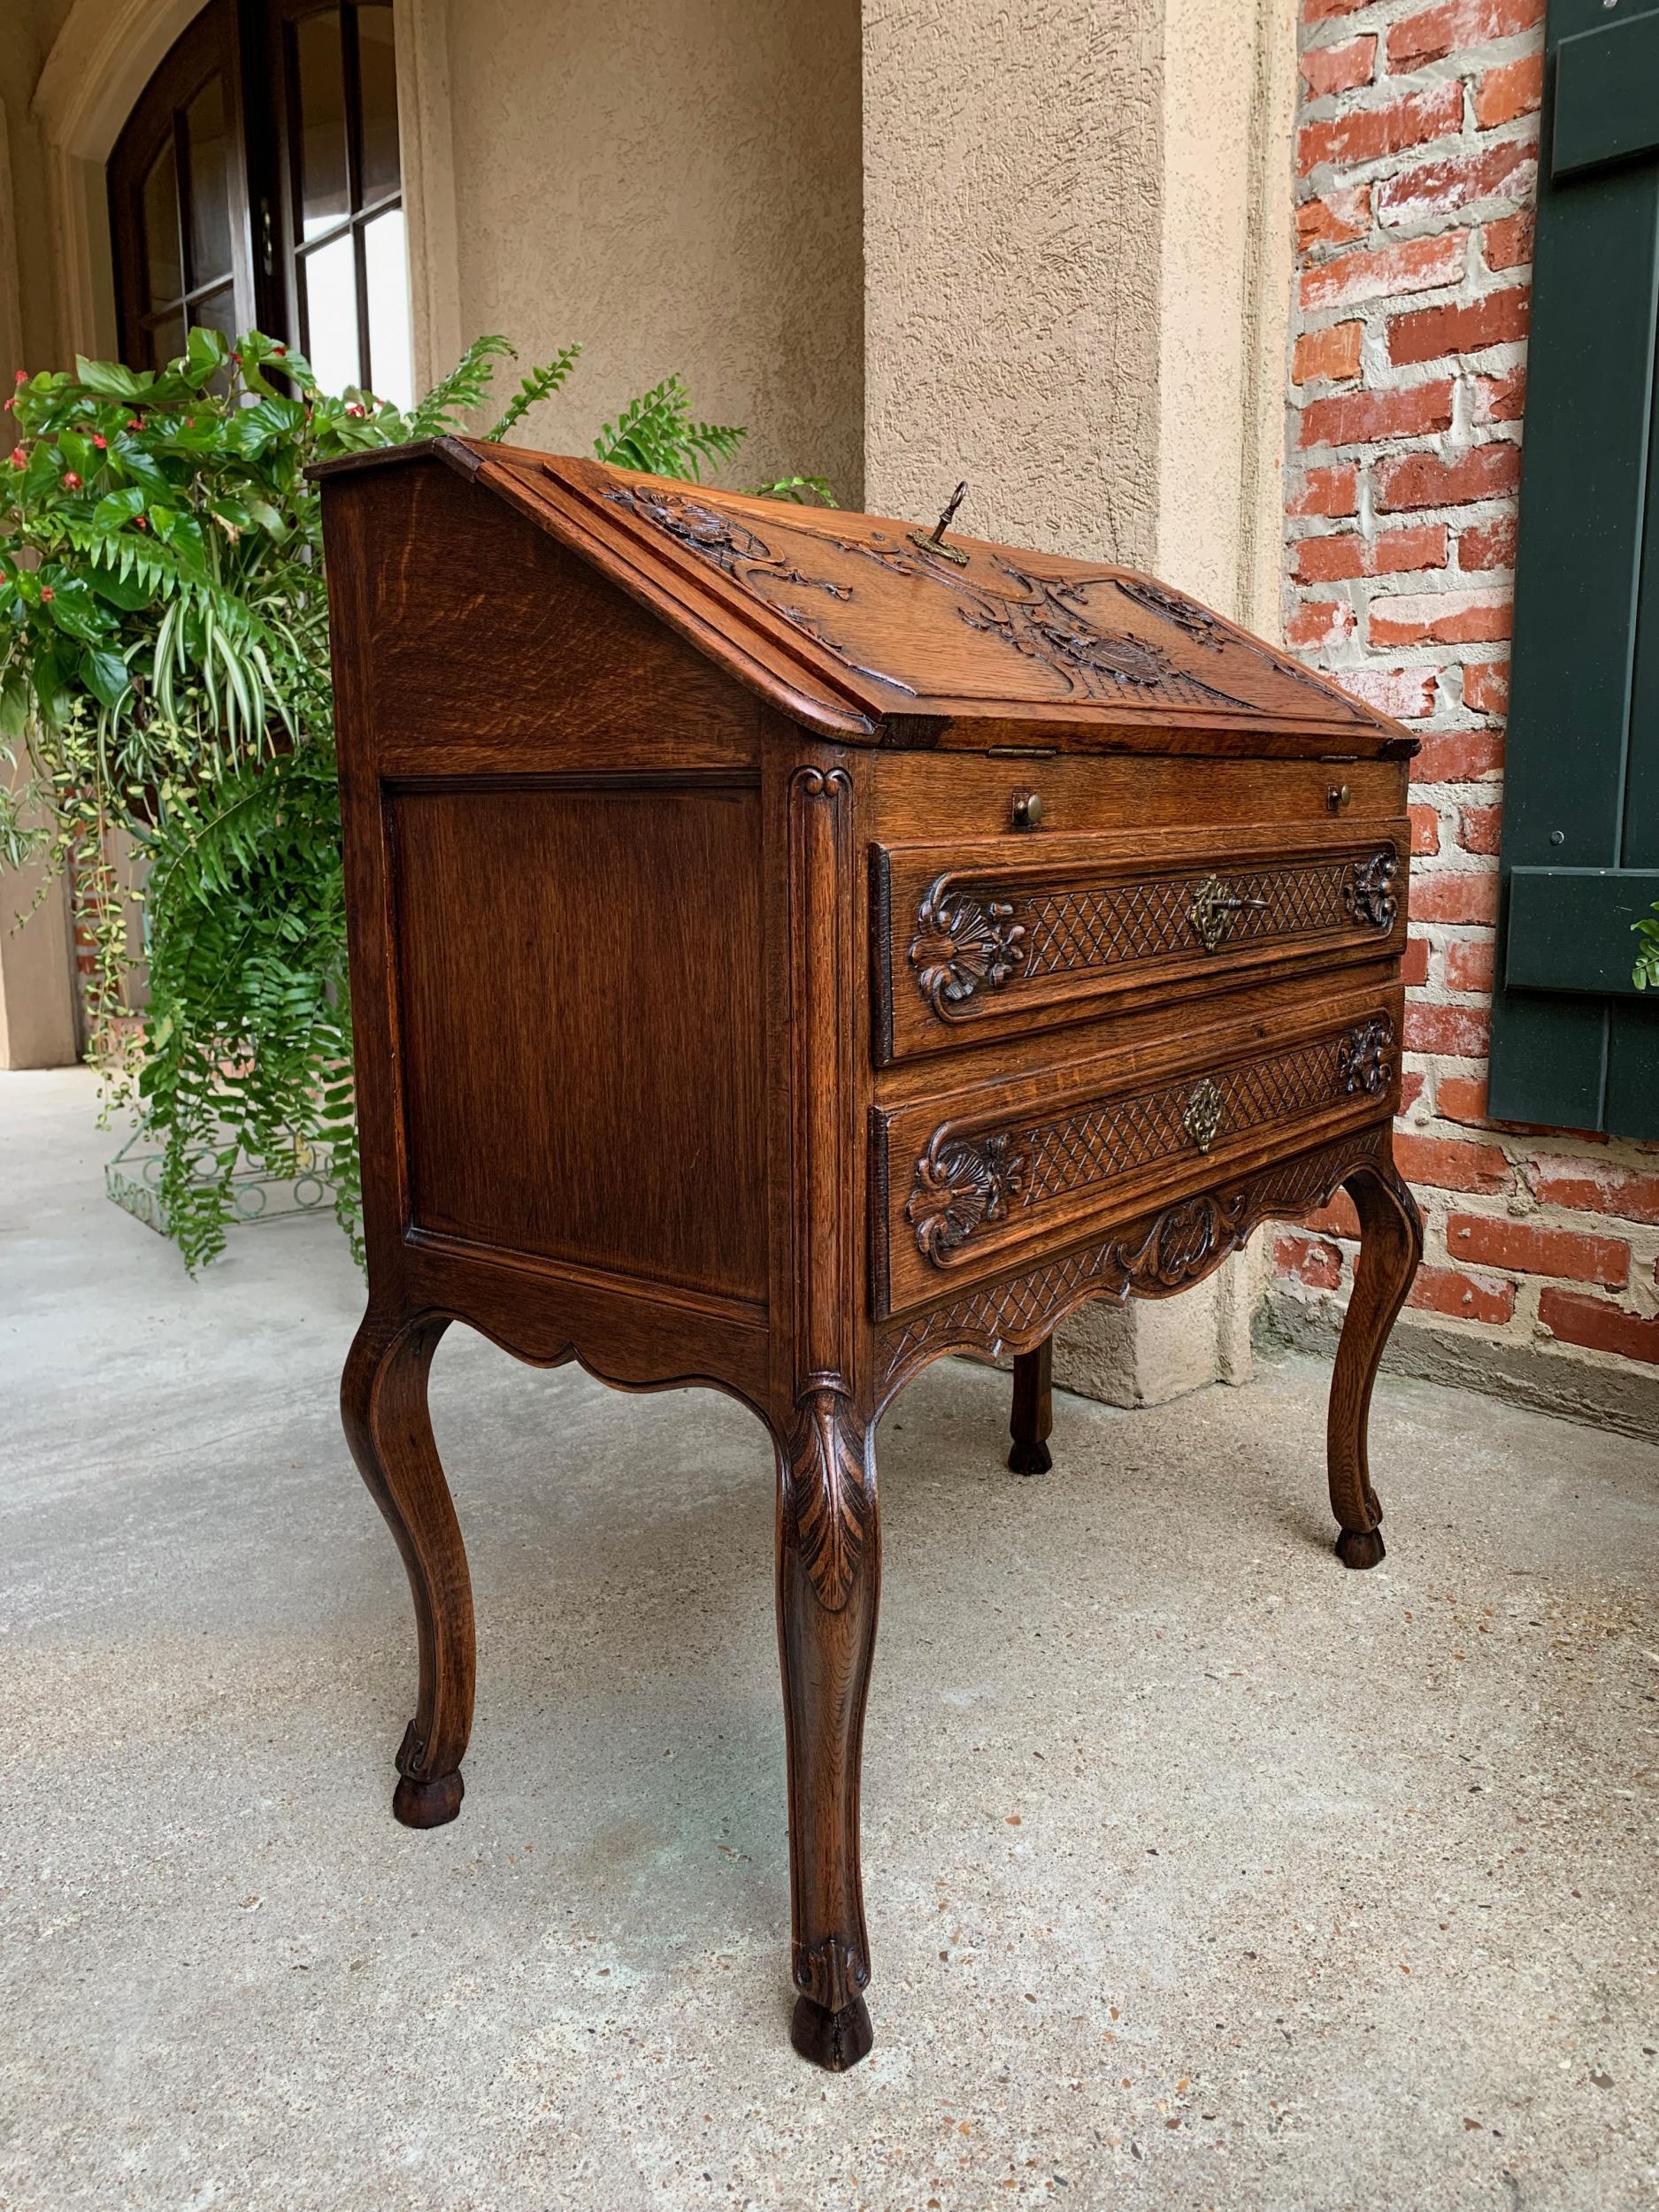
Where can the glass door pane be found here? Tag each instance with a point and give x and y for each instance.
(179, 196)
(208, 155)
(164, 265)
(351, 277)
(377, 90)
(391, 370)
(328, 280)
(319, 89)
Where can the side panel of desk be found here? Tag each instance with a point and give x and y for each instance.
(552, 814)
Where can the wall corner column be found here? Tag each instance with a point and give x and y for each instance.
(1077, 227)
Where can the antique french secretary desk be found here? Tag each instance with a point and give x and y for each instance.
(788, 946)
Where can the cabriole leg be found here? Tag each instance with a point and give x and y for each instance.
(383, 1403)
(1033, 1416)
(1391, 1245)
(829, 1576)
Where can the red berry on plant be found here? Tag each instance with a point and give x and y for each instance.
(23, 376)
(135, 422)
(46, 592)
(103, 444)
(72, 482)
(356, 407)
(20, 459)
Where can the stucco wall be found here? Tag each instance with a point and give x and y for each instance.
(28, 325)
(1226, 247)
(676, 184)
(1078, 233)
(1012, 251)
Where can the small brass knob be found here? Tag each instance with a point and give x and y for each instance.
(1337, 797)
(1028, 810)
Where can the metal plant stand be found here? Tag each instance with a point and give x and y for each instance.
(133, 1179)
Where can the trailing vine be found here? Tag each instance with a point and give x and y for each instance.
(164, 679)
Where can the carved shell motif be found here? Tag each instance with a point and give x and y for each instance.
(959, 1185)
(963, 943)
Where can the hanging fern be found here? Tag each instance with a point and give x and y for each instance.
(164, 666)
(247, 1043)
(656, 433)
(539, 385)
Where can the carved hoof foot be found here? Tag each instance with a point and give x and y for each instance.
(1360, 1548)
(832, 2039)
(1030, 1459)
(427, 1802)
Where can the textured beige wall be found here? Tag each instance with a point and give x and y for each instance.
(28, 319)
(1077, 251)
(676, 184)
(1011, 267)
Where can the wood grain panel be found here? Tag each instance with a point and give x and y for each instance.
(580, 1011)
(519, 671)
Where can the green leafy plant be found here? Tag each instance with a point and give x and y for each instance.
(164, 668)
(1647, 969)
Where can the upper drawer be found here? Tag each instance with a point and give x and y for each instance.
(979, 939)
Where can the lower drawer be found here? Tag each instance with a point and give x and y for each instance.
(968, 1182)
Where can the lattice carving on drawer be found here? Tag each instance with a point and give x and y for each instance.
(1153, 1257)
(1077, 928)
(962, 1182)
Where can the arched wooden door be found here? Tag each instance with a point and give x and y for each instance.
(179, 198)
(258, 181)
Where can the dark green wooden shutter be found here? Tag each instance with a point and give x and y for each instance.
(1573, 1045)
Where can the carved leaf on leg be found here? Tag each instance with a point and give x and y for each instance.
(830, 1493)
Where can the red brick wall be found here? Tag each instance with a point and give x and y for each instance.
(1417, 159)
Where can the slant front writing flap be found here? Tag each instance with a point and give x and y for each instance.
(915, 625)
(870, 630)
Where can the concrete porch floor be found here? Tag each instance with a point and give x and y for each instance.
(1199, 1871)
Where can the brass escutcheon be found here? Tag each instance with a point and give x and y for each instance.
(940, 551)
(1202, 1117)
(1213, 908)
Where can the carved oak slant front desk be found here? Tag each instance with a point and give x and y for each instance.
(788, 946)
